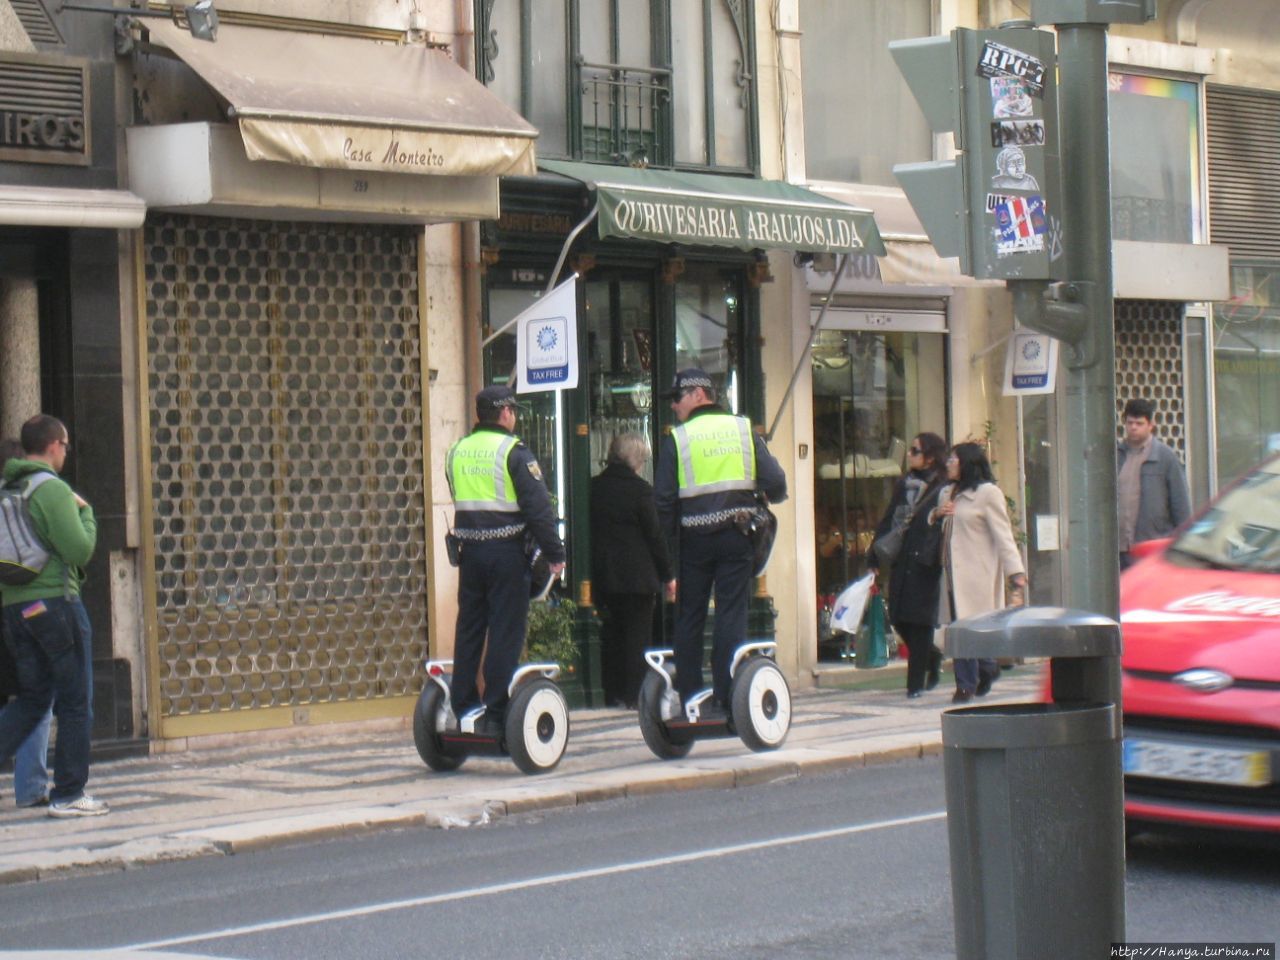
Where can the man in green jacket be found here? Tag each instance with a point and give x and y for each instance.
(46, 624)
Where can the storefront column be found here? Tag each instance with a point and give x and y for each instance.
(19, 353)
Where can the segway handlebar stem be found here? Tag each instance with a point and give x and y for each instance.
(436, 673)
(657, 660)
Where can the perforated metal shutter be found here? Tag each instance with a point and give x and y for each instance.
(1149, 365)
(286, 448)
(1244, 171)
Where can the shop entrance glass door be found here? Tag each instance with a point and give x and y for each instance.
(873, 392)
(619, 319)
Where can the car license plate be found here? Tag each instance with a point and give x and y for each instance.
(1180, 761)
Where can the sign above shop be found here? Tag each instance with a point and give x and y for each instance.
(44, 110)
(883, 321)
(547, 341)
(1031, 364)
(351, 104)
(699, 209)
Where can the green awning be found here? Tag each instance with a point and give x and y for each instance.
(702, 209)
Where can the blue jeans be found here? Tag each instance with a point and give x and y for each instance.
(30, 765)
(969, 671)
(50, 641)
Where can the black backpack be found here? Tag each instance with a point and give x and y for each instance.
(22, 553)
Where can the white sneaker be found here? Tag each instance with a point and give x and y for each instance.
(83, 806)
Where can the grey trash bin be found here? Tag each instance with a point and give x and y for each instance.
(1035, 794)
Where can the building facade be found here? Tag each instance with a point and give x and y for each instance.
(263, 316)
(239, 281)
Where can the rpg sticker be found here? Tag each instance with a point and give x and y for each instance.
(997, 60)
(1020, 225)
(1010, 97)
(1019, 133)
(547, 350)
(1011, 171)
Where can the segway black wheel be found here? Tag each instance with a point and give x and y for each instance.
(537, 726)
(652, 728)
(761, 704)
(426, 730)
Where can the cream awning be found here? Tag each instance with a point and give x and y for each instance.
(351, 104)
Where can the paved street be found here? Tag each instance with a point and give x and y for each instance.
(212, 802)
(848, 864)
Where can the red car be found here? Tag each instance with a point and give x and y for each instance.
(1201, 666)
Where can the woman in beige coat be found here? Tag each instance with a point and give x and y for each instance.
(979, 555)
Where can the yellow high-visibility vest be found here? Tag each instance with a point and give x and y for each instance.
(714, 453)
(478, 474)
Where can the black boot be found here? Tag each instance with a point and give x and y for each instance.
(935, 669)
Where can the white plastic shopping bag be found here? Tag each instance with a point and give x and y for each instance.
(851, 604)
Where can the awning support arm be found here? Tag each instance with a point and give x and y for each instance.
(551, 281)
(804, 356)
(568, 242)
(996, 345)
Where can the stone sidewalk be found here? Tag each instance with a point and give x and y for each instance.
(294, 786)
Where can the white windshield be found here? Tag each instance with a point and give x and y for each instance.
(1242, 530)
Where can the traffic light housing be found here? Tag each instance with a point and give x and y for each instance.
(997, 205)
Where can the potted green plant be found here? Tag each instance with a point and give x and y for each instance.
(550, 634)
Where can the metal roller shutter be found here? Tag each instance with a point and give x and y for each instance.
(286, 458)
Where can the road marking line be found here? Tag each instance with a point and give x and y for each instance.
(555, 878)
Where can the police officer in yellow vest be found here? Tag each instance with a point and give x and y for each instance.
(499, 497)
(708, 470)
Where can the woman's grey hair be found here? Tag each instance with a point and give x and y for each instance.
(629, 448)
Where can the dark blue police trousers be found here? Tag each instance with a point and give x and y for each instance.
(718, 563)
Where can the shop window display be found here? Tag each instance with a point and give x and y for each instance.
(869, 399)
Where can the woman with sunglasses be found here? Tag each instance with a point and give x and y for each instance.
(979, 556)
(915, 575)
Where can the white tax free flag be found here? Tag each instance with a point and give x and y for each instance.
(1031, 364)
(547, 341)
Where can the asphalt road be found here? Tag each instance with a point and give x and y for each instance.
(850, 865)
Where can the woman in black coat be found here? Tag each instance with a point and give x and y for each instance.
(629, 566)
(916, 575)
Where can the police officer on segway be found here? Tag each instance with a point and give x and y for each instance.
(709, 471)
(499, 500)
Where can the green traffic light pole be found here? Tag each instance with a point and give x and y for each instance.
(1079, 311)
(1090, 388)
(1050, 777)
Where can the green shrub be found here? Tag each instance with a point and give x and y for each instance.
(551, 634)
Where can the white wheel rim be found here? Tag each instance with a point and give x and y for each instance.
(546, 727)
(770, 705)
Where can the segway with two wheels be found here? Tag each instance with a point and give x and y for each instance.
(534, 731)
(759, 697)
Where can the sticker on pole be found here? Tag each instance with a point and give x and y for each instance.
(1010, 97)
(997, 60)
(1020, 225)
(1018, 133)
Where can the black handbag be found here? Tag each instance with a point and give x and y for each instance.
(887, 547)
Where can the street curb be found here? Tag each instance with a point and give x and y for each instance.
(710, 773)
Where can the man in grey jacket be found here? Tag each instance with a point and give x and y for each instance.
(1150, 486)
